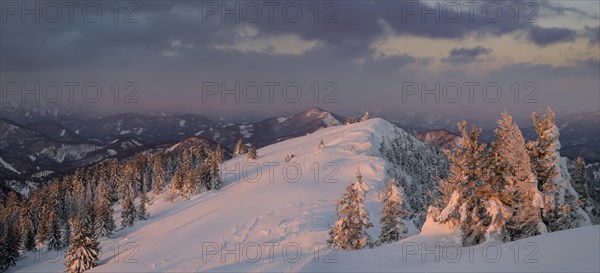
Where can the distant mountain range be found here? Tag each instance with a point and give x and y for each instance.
(37, 143)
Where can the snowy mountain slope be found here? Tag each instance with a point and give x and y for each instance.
(262, 219)
(274, 207)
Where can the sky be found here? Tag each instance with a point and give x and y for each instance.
(256, 58)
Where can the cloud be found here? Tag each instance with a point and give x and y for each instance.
(592, 34)
(466, 55)
(388, 64)
(547, 36)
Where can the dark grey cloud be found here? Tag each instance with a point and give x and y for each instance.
(109, 52)
(592, 34)
(465, 55)
(546, 36)
(31, 46)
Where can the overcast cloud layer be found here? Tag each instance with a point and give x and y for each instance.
(363, 55)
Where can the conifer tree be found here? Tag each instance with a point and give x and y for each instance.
(252, 153)
(83, 251)
(240, 148)
(142, 212)
(9, 245)
(104, 223)
(393, 212)
(580, 183)
(467, 202)
(215, 173)
(177, 180)
(560, 203)
(158, 176)
(218, 154)
(26, 227)
(42, 230)
(513, 185)
(55, 233)
(128, 213)
(350, 229)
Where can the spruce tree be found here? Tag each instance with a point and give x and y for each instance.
(393, 212)
(580, 184)
(104, 223)
(177, 180)
(142, 212)
(218, 154)
(26, 227)
(128, 212)
(42, 230)
(466, 205)
(55, 241)
(560, 203)
(9, 245)
(513, 185)
(350, 229)
(240, 148)
(158, 176)
(83, 251)
(252, 153)
(215, 173)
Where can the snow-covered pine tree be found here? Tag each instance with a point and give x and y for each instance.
(240, 148)
(9, 244)
(516, 200)
(215, 174)
(177, 180)
(393, 212)
(350, 229)
(365, 117)
(467, 205)
(580, 184)
(218, 154)
(42, 230)
(142, 212)
(83, 251)
(188, 184)
(128, 213)
(158, 176)
(560, 202)
(252, 153)
(105, 224)
(26, 227)
(55, 234)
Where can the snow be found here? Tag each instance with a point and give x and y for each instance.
(124, 132)
(111, 152)
(245, 130)
(62, 132)
(282, 119)
(8, 166)
(182, 123)
(289, 208)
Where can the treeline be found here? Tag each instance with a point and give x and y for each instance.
(77, 210)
